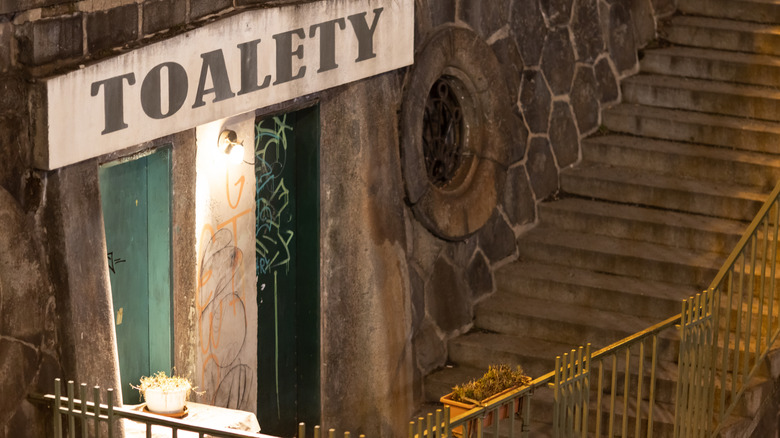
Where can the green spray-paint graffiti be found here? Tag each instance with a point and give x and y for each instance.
(272, 239)
(274, 219)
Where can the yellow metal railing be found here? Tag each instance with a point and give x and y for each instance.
(737, 323)
(75, 416)
(719, 342)
(620, 377)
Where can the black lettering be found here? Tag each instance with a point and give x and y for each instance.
(249, 68)
(151, 90)
(214, 64)
(113, 101)
(284, 55)
(327, 42)
(365, 34)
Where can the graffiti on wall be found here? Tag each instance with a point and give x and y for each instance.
(221, 305)
(272, 238)
(273, 215)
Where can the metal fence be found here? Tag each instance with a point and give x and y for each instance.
(712, 352)
(74, 416)
(732, 328)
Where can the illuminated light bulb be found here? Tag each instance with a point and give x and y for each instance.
(236, 153)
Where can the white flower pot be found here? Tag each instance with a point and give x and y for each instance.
(165, 402)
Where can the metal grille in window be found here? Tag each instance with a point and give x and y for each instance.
(442, 134)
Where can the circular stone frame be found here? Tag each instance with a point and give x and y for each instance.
(457, 211)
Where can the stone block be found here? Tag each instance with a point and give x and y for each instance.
(112, 28)
(11, 6)
(621, 42)
(558, 12)
(18, 361)
(479, 276)
(447, 298)
(6, 41)
(44, 41)
(201, 8)
(163, 14)
(542, 171)
(417, 292)
(461, 252)
(585, 99)
(442, 11)
(519, 137)
(519, 204)
(664, 8)
(511, 64)
(261, 2)
(15, 154)
(13, 94)
(564, 136)
(485, 17)
(529, 30)
(535, 100)
(558, 61)
(588, 37)
(644, 21)
(23, 286)
(496, 239)
(606, 81)
(429, 347)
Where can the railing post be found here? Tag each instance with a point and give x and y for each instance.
(71, 419)
(56, 409)
(83, 396)
(96, 409)
(110, 402)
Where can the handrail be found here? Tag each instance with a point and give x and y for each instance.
(431, 427)
(106, 413)
(700, 324)
(94, 414)
(746, 236)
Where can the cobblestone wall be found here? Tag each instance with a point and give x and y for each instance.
(562, 61)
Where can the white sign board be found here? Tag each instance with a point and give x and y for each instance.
(235, 65)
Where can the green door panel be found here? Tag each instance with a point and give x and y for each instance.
(135, 196)
(287, 240)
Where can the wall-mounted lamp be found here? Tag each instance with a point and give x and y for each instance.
(230, 145)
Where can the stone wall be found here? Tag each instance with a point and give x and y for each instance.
(562, 62)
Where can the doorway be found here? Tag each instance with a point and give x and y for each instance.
(287, 239)
(136, 201)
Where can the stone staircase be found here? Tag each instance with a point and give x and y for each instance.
(650, 214)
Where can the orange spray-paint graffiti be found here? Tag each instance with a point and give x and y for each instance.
(221, 305)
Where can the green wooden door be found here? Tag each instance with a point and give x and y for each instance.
(135, 196)
(287, 238)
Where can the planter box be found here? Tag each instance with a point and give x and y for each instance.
(458, 408)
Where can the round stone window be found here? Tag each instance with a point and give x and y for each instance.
(444, 135)
(454, 139)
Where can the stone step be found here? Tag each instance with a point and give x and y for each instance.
(623, 221)
(597, 290)
(747, 101)
(479, 349)
(568, 322)
(760, 11)
(623, 257)
(695, 127)
(633, 186)
(718, 65)
(688, 160)
(441, 381)
(716, 33)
